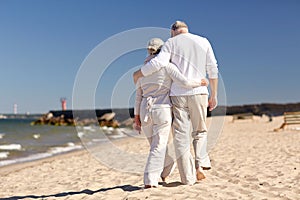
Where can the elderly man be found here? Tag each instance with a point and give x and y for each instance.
(194, 57)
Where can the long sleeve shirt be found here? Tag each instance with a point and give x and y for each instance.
(157, 85)
(194, 57)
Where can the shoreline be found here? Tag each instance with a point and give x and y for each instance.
(10, 168)
(54, 151)
(73, 142)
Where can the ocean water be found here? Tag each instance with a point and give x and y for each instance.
(22, 142)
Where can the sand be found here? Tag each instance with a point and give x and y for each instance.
(249, 161)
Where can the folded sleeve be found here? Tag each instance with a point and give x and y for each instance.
(211, 63)
(179, 78)
(138, 98)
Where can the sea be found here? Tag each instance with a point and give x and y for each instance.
(22, 142)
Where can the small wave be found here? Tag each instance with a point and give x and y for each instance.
(80, 134)
(100, 140)
(110, 129)
(4, 155)
(58, 150)
(25, 159)
(11, 147)
(116, 136)
(89, 128)
(107, 130)
(36, 136)
(117, 133)
(70, 144)
(2, 135)
(53, 151)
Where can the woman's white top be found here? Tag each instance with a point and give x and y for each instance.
(157, 86)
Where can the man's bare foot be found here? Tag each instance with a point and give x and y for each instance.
(163, 178)
(200, 174)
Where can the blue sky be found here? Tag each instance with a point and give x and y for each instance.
(44, 42)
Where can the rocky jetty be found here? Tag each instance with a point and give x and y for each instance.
(123, 117)
(107, 120)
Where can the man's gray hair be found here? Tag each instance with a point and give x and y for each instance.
(178, 25)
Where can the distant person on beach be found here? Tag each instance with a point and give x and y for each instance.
(153, 113)
(194, 57)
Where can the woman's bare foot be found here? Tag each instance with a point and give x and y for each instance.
(200, 174)
(149, 186)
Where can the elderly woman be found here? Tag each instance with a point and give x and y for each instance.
(153, 113)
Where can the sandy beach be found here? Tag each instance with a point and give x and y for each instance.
(249, 161)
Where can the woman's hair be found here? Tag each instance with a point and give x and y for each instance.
(157, 51)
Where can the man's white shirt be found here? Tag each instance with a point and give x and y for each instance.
(194, 57)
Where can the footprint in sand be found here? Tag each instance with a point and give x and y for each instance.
(234, 181)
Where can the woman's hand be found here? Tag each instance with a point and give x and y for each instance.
(204, 82)
(137, 123)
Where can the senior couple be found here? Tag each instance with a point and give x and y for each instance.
(172, 95)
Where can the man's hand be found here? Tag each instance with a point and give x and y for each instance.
(136, 75)
(212, 103)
